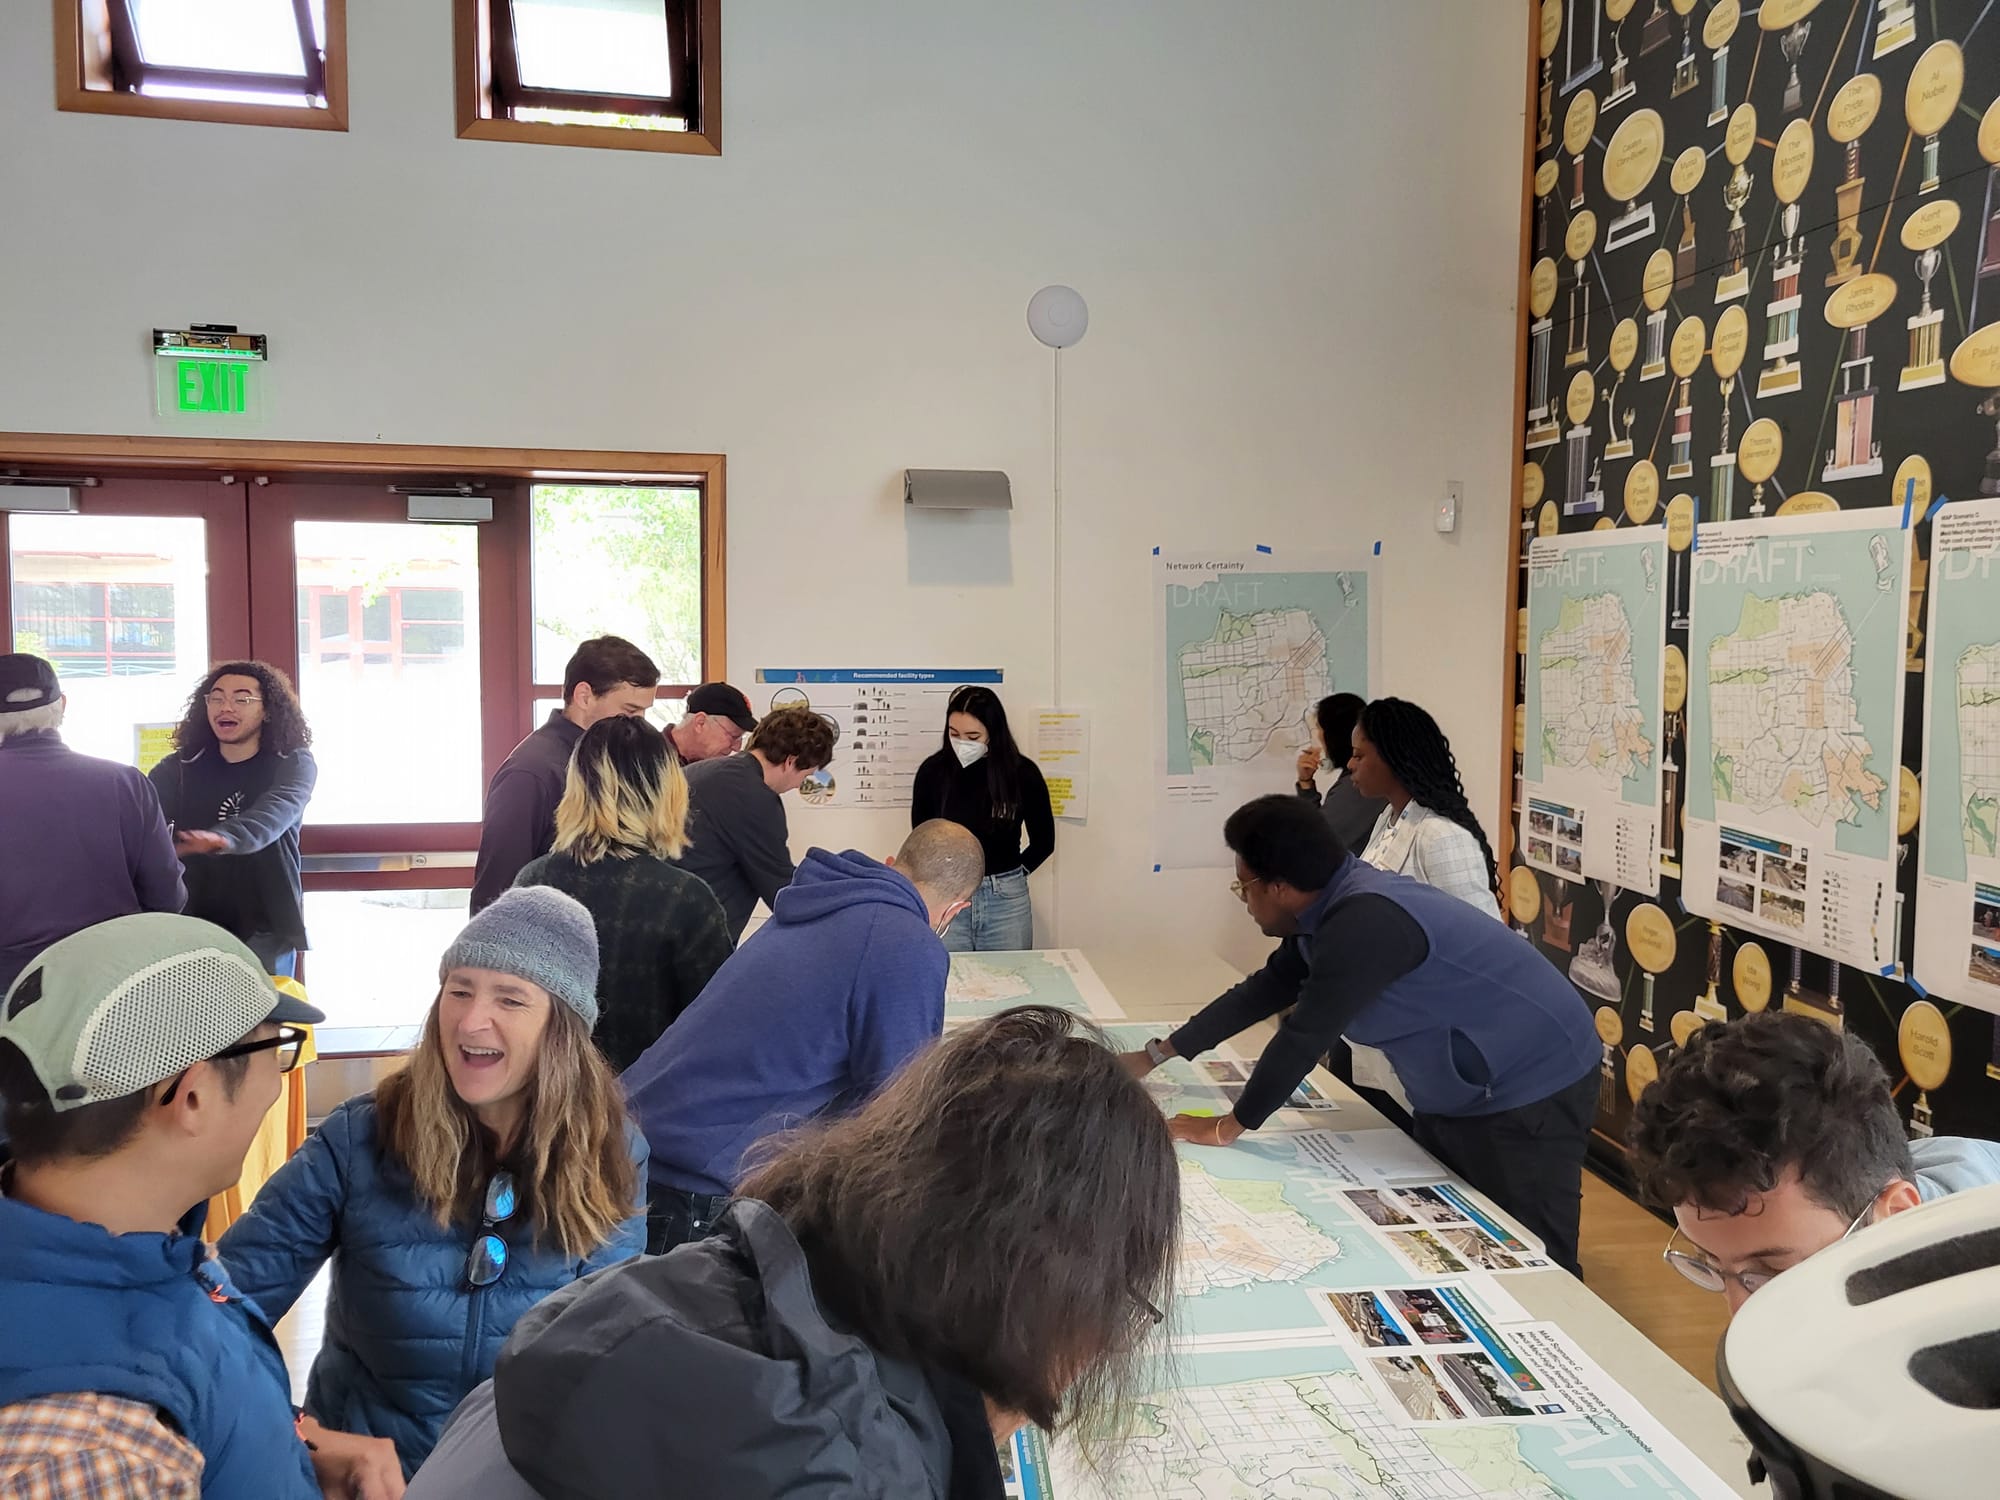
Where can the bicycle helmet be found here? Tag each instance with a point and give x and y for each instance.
(1872, 1370)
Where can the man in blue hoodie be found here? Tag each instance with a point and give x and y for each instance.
(816, 1012)
(138, 1058)
(1494, 1047)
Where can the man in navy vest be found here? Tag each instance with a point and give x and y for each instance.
(1494, 1047)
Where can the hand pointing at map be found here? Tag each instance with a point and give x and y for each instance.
(1205, 1130)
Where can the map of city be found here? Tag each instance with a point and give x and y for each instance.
(1247, 682)
(1303, 1421)
(1595, 654)
(1795, 681)
(1978, 694)
(1590, 710)
(984, 984)
(1248, 657)
(1785, 728)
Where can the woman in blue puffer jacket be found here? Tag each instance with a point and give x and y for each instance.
(497, 1168)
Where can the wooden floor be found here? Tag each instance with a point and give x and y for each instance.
(1621, 1263)
(1620, 1250)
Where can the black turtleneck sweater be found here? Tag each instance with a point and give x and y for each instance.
(944, 789)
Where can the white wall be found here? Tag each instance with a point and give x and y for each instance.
(1296, 223)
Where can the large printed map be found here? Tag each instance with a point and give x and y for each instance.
(1244, 644)
(1786, 728)
(1590, 710)
(1254, 1396)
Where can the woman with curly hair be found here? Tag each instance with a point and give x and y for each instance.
(1427, 831)
(234, 792)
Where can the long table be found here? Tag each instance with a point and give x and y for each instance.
(1169, 986)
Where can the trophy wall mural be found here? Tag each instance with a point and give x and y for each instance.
(1766, 283)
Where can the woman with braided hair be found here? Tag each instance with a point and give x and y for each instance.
(1427, 832)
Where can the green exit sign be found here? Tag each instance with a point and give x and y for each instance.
(206, 385)
(207, 372)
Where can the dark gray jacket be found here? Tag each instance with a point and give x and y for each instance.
(707, 1371)
(1350, 815)
(737, 840)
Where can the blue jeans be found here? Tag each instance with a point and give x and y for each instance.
(1001, 918)
(677, 1217)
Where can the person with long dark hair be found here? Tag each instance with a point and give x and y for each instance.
(988, 1243)
(1350, 813)
(979, 779)
(661, 934)
(235, 792)
(1427, 831)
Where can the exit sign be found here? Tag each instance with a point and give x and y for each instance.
(208, 372)
(208, 385)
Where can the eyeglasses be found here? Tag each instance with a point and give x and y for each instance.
(1712, 1278)
(289, 1044)
(1240, 889)
(1149, 1309)
(234, 700)
(486, 1263)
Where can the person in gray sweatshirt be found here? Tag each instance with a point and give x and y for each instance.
(1774, 1136)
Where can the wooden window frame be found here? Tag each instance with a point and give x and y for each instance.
(485, 74)
(81, 59)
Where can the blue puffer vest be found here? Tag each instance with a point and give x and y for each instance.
(406, 1338)
(149, 1317)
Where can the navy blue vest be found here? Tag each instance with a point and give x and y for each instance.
(1485, 1023)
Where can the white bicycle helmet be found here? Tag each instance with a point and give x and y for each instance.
(1872, 1370)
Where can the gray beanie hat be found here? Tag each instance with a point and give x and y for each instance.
(534, 932)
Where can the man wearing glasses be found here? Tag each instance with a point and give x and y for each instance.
(138, 1059)
(1493, 1045)
(235, 792)
(1775, 1136)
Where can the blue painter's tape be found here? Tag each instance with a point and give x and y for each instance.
(1263, 549)
(1936, 501)
(1156, 552)
(1156, 869)
(1922, 993)
(1378, 549)
(1909, 499)
(1888, 971)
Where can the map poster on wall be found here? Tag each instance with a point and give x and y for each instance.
(1958, 883)
(886, 721)
(1597, 629)
(1244, 644)
(1795, 709)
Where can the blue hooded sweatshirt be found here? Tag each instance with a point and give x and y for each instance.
(815, 1012)
(150, 1317)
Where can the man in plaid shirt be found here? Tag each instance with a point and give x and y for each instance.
(137, 1059)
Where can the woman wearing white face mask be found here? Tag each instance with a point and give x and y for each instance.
(981, 781)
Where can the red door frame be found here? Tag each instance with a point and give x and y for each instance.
(503, 635)
(218, 505)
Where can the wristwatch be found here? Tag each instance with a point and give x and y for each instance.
(1157, 1051)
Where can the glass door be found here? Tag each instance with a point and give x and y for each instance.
(403, 639)
(131, 596)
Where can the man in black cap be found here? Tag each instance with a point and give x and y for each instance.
(717, 718)
(86, 838)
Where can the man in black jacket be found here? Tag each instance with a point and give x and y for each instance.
(606, 676)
